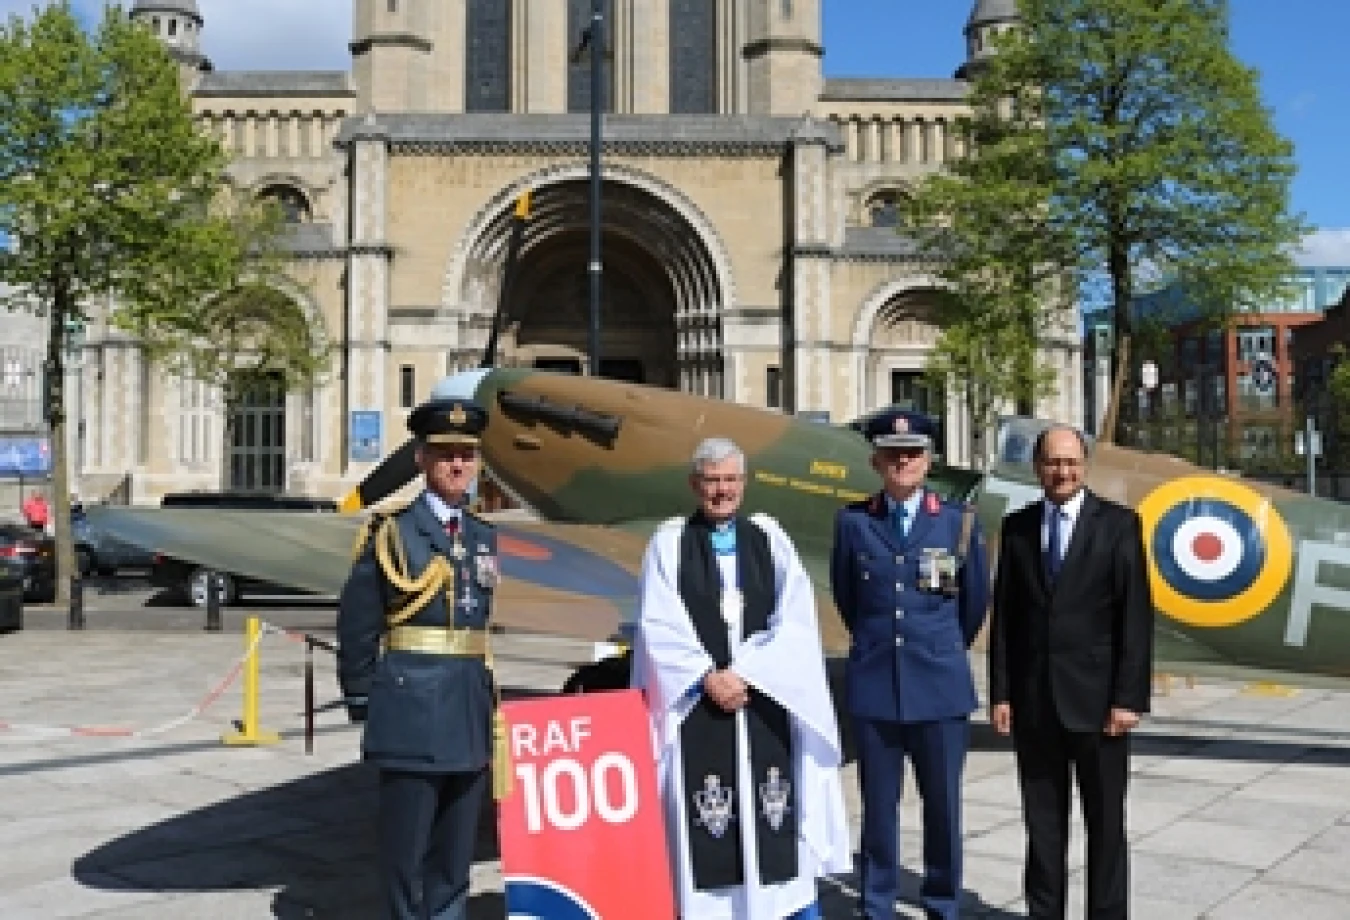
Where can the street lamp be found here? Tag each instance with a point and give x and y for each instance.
(594, 37)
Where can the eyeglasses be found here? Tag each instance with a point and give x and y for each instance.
(1061, 463)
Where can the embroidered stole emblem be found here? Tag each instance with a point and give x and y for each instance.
(774, 794)
(714, 805)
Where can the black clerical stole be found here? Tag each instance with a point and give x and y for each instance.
(709, 743)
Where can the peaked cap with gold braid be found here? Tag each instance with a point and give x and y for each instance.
(448, 421)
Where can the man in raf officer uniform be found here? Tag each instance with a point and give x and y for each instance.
(911, 581)
(421, 587)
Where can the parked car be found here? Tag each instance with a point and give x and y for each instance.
(33, 554)
(190, 582)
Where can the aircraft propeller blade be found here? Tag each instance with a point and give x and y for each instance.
(399, 468)
(394, 472)
(518, 219)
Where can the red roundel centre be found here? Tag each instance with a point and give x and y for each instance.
(1207, 547)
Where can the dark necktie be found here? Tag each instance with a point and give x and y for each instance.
(1054, 550)
(900, 521)
(452, 525)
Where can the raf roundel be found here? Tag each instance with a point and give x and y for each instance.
(531, 898)
(1218, 552)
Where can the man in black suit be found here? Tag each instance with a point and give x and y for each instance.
(1070, 668)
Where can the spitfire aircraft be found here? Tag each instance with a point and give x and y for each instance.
(1243, 574)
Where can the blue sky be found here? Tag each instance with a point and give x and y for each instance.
(1296, 45)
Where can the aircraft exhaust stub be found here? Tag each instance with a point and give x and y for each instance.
(599, 425)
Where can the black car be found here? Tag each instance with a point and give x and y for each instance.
(32, 555)
(189, 581)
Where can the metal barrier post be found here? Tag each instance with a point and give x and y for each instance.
(76, 613)
(248, 730)
(309, 696)
(212, 602)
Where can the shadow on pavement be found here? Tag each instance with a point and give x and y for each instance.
(311, 839)
(839, 897)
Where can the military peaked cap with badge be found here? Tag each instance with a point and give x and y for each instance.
(448, 421)
(901, 428)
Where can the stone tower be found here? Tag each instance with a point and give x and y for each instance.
(987, 19)
(783, 52)
(177, 23)
(407, 55)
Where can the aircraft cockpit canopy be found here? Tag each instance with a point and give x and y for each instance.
(1016, 439)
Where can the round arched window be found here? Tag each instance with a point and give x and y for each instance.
(884, 209)
(294, 206)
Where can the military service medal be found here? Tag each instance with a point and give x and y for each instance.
(929, 570)
(485, 569)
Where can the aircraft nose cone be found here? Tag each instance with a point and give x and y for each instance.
(459, 386)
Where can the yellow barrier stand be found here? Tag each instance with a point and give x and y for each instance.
(250, 733)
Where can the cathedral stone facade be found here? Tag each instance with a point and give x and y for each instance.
(749, 233)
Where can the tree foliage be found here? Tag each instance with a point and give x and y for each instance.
(110, 194)
(1121, 141)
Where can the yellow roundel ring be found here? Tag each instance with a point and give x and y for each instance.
(1218, 552)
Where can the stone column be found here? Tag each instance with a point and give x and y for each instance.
(544, 68)
(810, 386)
(649, 48)
(368, 273)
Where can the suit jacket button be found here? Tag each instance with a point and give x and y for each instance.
(865, 575)
(899, 614)
(899, 560)
(899, 640)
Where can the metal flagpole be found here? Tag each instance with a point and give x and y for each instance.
(597, 40)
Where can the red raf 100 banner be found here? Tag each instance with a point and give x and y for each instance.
(582, 833)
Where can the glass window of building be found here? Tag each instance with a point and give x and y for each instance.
(883, 209)
(1255, 341)
(487, 61)
(693, 57)
(1250, 396)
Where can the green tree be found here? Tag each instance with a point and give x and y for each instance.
(108, 192)
(1005, 294)
(1127, 134)
(986, 357)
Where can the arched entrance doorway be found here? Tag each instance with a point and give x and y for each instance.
(903, 333)
(549, 313)
(661, 300)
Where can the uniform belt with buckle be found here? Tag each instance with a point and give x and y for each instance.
(438, 640)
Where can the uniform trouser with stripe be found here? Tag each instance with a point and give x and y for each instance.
(427, 829)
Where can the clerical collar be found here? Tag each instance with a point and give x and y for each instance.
(443, 510)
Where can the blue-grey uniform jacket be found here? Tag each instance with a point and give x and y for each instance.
(427, 713)
(907, 661)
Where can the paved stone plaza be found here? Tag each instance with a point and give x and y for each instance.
(1240, 806)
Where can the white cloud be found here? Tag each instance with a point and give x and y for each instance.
(1325, 247)
(256, 34)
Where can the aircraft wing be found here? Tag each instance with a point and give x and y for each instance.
(574, 580)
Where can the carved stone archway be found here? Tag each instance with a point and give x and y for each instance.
(663, 289)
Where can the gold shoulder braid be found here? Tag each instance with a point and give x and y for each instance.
(439, 576)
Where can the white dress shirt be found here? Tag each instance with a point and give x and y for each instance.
(1071, 509)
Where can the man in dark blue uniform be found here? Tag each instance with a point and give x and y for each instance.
(910, 578)
(421, 586)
